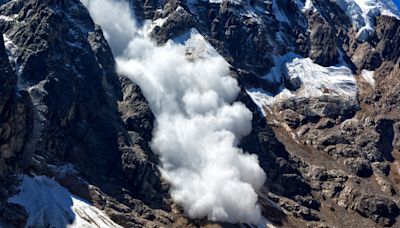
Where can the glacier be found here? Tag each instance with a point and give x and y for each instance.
(308, 79)
(362, 14)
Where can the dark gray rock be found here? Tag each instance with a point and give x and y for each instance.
(381, 210)
(366, 57)
(388, 34)
(176, 24)
(292, 118)
(360, 167)
(323, 43)
(13, 215)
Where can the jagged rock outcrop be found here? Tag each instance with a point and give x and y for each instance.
(15, 110)
(15, 126)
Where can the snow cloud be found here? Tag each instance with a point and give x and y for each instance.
(198, 125)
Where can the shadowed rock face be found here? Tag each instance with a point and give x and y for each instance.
(62, 103)
(15, 126)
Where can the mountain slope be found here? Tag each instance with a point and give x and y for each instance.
(320, 79)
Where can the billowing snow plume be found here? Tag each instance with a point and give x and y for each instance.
(198, 127)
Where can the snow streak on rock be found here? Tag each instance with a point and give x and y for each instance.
(198, 124)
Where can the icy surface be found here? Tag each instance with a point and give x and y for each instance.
(307, 78)
(314, 80)
(317, 80)
(362, 13)
(50, 205)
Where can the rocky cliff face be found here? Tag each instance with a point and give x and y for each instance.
(63, 103)
(324, 98)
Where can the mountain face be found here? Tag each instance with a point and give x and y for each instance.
(196, 113)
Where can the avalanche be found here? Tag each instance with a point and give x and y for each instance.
(198, 123)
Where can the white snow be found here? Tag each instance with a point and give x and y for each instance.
(317, 80)
(312, 79)
(265, 224)
(308, 5)
(305, 6)
(8, 18)
(197, 47)
(11, 49)
(198, 123)
(362, 13)
(156, 23)
(368, 76)
(264, 100)
(48, 204)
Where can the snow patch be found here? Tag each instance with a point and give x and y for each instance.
(306, 79)
(11, 50)
(308, 5)
(48, 204)
(265, 223)
(305, 6)
(316, 80)
(368, 76)
(157, 23)
(8, 18)
(264, 100)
